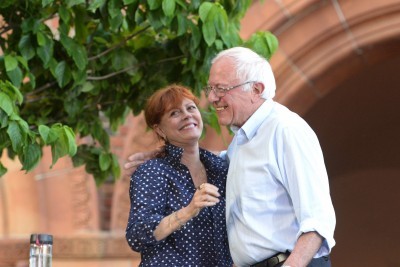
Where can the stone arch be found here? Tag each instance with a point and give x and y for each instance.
(337, 66)
(320, 37)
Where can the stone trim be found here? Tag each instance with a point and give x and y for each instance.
(76, 248)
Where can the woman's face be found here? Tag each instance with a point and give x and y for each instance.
(181, 125)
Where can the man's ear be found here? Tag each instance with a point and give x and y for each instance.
(257, 91)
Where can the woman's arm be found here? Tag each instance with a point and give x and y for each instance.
(205, 197)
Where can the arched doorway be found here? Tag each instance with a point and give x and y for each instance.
(337, 66)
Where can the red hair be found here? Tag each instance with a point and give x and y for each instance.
(164, 100)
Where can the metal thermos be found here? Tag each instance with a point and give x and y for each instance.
(41, 250)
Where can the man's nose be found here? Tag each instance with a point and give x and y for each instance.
(212, 97)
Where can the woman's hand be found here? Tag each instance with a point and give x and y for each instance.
(205, 196)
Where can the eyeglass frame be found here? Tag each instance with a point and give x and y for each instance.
(221, 90)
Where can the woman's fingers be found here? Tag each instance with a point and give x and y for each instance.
(206, 188)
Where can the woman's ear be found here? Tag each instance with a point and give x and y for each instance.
(160, 132)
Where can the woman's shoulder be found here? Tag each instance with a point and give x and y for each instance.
(212, 160)
(153, 165)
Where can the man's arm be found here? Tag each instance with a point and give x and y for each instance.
(306, 247)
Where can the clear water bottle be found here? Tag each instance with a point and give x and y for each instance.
(41, 250)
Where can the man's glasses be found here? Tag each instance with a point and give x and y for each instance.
(221, 91)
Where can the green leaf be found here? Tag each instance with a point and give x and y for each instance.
(80, 57)
(204, 9)
(182, 4)
(6, 104)
(221, 20)
(26, 48)
(46, 2)
(101, 135)
(63, 74)
(23, 125)
(64, 14)
(44, 132)
(87, 87)
(128, 2)
(45, 53)
(31, 156)
(182, 24)
(41, 39)
(15, 135)
(81, 27)
(3, 120)
(32, 79)
(11, 63)
(3, 170)
(68, 43)
(71, 3)
(104, 161)
(27, 25)
(11, 91)
(23, 62)
(168, 7)
(72, 148)
(116, 21)
(195, 38)
(96, 4)
(60, 147)
(48, 135)
(209, 32)
(154, 4)
(272, 42)
(5, 141)
(116, 171)
(15, 76)
(264, 43)
(114, 9)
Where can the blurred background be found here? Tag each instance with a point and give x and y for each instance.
(337, 65)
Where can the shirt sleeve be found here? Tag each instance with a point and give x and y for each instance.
(306, 181)
(147, 193)
(222, 155)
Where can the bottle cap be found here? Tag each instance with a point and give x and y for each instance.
(41, 239)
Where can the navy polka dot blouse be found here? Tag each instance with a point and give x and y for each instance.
(164, 185)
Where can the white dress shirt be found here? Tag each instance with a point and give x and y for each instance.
(277, 186)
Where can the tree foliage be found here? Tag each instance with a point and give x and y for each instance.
(73, 69)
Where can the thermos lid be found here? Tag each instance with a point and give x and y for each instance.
(41, 239)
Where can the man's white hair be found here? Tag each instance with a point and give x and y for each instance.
(250, 66)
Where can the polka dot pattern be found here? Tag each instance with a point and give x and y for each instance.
(164, 185)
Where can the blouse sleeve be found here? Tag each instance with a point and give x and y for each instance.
(147, 193)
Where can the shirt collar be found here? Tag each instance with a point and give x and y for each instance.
(251, 126)
(173, 152)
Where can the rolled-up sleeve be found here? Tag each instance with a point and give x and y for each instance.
(147, 193)
(307, 183)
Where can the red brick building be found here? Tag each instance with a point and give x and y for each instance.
(337, 66)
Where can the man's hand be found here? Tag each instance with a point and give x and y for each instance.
(136, 159)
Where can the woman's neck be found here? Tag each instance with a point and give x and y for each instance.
(191, 158)
(191, 155)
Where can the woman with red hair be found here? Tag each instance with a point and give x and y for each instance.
(177, 215)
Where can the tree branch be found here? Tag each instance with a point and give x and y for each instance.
(40, 89)
(170, 59)
(5, 29)
(99, 78)
(118, 45)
